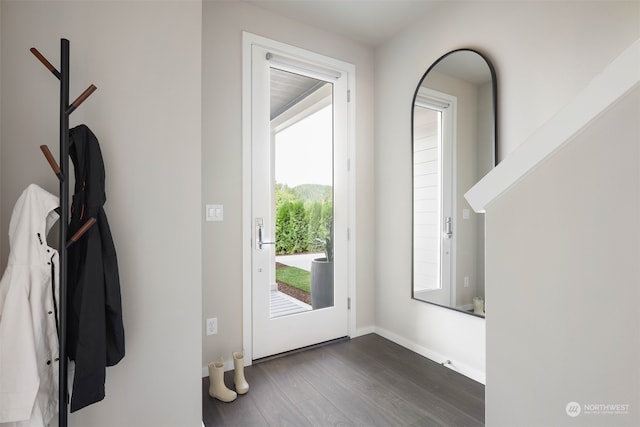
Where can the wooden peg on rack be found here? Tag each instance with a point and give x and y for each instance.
(79, 100)
(52, 162)
(75, 104)
(78, 234)
(45, 62)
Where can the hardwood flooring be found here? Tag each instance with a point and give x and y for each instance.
(367, 381)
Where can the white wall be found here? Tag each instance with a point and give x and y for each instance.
(145, 59)
(222, 161)
(570, 260)
(544, 53)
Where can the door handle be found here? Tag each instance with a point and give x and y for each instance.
(448, 228)
(259, 226)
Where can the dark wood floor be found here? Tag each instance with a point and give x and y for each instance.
(366, 381)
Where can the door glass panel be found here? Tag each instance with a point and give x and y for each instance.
(302, 193)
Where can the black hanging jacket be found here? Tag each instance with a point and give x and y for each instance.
(94, 316)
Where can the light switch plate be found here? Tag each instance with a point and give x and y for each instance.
(214, 212)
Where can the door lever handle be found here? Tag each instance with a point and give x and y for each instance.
(448, 228)
(259, 242)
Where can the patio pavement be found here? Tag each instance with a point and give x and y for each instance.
(302, 261)
(284, 305)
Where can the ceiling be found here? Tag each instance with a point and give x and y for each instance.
(371, 22)
(287, 89)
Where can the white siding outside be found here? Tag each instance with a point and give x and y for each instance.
(426, 199)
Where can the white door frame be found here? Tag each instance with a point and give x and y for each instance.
(248, 40)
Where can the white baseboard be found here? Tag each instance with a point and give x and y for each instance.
(456, 365)
(228, 364)
(364, 331)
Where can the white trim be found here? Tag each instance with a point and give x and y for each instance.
(433, 99)
(351, 199)
(292, 65)
(455, 365)
(617, 79)
(246, 197)
(364, 331)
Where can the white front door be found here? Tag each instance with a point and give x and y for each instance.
(298, 201)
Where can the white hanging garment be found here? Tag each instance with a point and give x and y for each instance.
(29, 346)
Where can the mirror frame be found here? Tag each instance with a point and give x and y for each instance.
(494, 90)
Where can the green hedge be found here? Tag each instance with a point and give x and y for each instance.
(301, 226)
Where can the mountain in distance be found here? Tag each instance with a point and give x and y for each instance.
(313, 192)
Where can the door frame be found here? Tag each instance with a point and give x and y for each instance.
(248, 40)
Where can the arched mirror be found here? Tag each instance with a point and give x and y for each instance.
(454, 132)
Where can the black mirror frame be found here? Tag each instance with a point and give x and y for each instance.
(494, 89)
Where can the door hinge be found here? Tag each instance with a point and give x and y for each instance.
(348, 303)
(348, 95)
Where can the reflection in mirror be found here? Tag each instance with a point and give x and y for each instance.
(454, 146)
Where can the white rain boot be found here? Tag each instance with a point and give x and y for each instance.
(478, 305)
(217, 388)
(242, 386)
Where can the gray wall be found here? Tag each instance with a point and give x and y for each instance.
(563, 282)
(145, 59)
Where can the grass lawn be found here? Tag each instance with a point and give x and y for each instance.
(295, 277)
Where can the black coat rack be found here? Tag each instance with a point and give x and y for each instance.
(62, 172)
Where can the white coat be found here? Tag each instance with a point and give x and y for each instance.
(29, 346)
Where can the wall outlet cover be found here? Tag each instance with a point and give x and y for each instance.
(212, 326)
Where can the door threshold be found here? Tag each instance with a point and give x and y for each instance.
(299, 350)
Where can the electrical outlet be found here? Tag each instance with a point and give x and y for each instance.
(466, 281)
(212, 326)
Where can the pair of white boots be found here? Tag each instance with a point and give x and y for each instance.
(217, 387)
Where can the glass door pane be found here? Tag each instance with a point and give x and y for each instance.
(302, 193)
